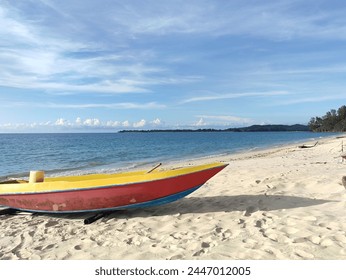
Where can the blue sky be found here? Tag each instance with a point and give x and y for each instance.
(85, 65)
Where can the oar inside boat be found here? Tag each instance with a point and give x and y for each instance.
(155, 167)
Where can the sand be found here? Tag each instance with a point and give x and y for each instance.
(281, 203)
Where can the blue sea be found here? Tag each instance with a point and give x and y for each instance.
(65, 154)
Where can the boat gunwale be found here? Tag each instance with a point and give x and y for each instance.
(36, 192)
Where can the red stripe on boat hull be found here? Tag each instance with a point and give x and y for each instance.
(107, 197)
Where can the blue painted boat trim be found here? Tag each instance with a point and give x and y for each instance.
(163, 200)
(151, 203)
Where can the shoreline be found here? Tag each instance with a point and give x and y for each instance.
(276, 203)
(234, 155)
(114, 163)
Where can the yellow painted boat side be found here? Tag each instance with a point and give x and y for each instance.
(100, 180)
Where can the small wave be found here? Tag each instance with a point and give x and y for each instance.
(99, 168)
(95, 163)
(22, 175)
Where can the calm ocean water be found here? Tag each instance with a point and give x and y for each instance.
(61, 154)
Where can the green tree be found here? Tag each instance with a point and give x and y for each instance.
(334, 120)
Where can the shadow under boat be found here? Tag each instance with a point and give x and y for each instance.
(243, 203)
(198, 205)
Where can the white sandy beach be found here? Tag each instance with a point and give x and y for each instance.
(282, 203)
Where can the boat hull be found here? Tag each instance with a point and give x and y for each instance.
(111, 197)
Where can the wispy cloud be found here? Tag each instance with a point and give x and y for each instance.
(226, 118)
(219, 120)
(134, 55)
(303, 70)
(313, 99)
(33, 59)
(127, 105)
(277, 20)
(150, 105)
(234, 95)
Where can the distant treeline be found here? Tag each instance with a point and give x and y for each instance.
(253, 128)
(333, 121)
(271, 127)
(171, 130)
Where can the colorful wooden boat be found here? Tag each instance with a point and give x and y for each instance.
(103, 192)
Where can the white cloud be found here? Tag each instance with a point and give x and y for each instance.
(113, 124)
(126, 124)
(88, 124)
(61, 122)
(92, 122)
(78, 121)
(141, 123)
(95, 124)
(156, 122)
(201, 122)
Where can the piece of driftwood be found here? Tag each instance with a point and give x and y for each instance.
(99, 215)
(8, 211)
(95, 217)
(307, 146)
(13, 181)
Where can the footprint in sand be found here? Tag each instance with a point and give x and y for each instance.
(249, 210)
(51, 224)
(50, 246)
(199, 253)
(250, 243)
(343, 251)
(227, 234)
(224, 235)
(78, 247)
(308, 218)
(262, 223)
(303, 254)
(289, 230)
(341, 237)
(177, 257)
(300, 240)
(218, 229)
(326, 242)
(273, 237)
(315, 239)
(24, 254)
(205, 245)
